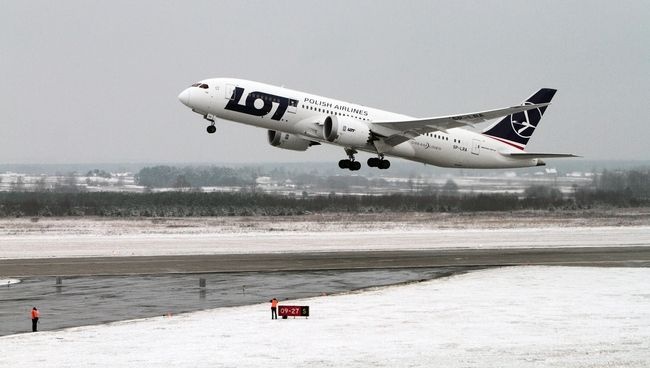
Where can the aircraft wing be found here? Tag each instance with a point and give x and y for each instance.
(400, 131)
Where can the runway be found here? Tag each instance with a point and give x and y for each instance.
(121, 288)
(634, 256)
(91, 300)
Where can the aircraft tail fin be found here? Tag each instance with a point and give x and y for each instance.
(516, 129)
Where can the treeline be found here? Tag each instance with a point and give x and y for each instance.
(185, 204)
(214, 176)
(634, 182)
(610, 188)
(629, 188)
(204, 176)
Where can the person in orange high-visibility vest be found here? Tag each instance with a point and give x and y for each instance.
(274, 308)
(35, 315)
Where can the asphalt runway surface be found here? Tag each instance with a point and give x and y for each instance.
(317, 261)
(92, 300)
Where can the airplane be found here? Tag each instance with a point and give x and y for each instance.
(297, 120)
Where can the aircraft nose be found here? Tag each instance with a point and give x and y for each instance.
(184, 97)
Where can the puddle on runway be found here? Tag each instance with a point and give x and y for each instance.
(82, 301)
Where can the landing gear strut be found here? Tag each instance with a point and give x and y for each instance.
(379, 162)
(350, 164)
(211, 128)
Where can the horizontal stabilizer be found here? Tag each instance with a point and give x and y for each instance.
(537, 155)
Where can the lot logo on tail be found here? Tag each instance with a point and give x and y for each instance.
(524, 123)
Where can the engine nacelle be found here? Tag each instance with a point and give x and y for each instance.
(288, 141)
(350, 133)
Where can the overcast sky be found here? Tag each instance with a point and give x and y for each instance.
(97, 81)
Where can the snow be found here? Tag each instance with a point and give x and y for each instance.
(81, 237)
(507, 317)
(204, 241)
(9, 281)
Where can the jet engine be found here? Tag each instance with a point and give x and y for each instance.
(351, 133)
(289, 141)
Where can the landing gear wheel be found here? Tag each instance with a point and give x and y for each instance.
(379, 162)
(383, 164)
(211, 128)
(350, 164)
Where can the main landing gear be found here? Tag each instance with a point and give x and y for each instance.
(350, 164)
(353, 165)
(379, 162)
(211, 128)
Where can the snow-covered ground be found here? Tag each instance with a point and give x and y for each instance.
(23, 238)
(9, 282)
(325, 222)
(508, 317)
(44, 246)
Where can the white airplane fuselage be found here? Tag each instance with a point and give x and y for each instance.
(301, 115)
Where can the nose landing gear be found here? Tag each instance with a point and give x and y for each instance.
(211, 128)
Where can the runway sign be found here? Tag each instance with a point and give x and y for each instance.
(293, 310)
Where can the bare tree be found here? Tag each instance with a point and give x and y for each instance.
(18, 185)
(41, 184)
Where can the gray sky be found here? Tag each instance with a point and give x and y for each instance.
(96, 82)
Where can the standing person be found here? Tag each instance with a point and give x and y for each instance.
(35, 315)
(274, 308)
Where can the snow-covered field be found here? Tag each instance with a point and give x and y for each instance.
(47, 237)
(327, 222)
(508, 317)
(168, 244)
(6, 282)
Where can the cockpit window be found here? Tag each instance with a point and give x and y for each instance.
(200, 85)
